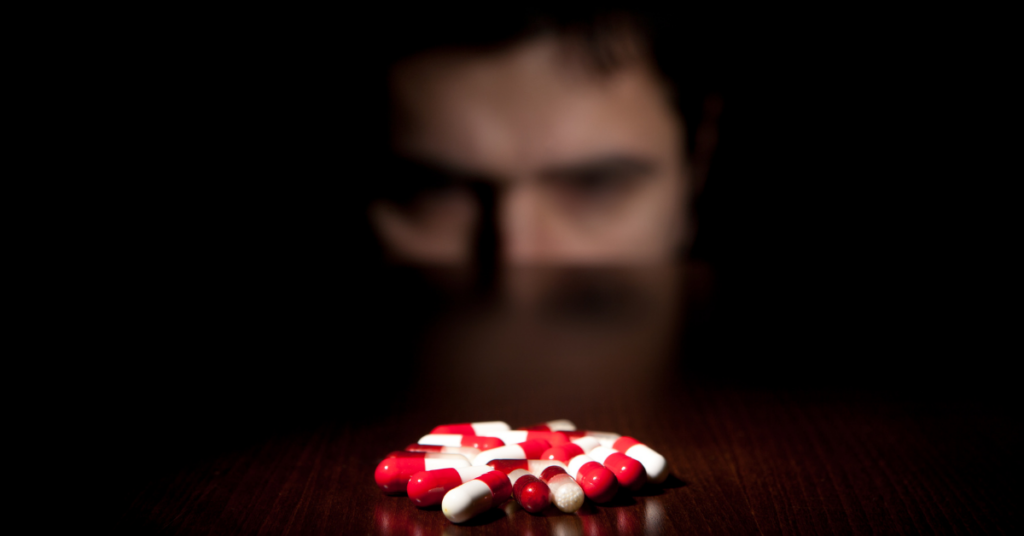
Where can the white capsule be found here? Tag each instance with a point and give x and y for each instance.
(566, 493)
(538, 466)
(467, 501)
(587, 443)
(442, 440)
(561, 425)
(476, 496)
(437, 460)
(600, 454)
(471, 428)
(527, 450)
(577, 462)
(485, 428)
(511, 437)
(516, 474)
(654, 463)
(508, 452)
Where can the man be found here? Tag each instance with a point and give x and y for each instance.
(556, 143)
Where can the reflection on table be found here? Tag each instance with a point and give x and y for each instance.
(396, 516)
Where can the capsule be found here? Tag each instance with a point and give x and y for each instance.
(468, 452)
(558, 425)
(476, 496)
(566, 493)
(533, 466)
(654, 463)
(580, 445)
(605, 438)
(529, 491)
(527, 450)
(629, 472)
(472, 428)
(461, 440)
(518, 436)
(427, 488)
(598, 483)
(392, 474)
(418, 453)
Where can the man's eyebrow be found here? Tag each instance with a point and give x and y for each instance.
(616, 165)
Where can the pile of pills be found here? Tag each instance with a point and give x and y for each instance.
(472, 467)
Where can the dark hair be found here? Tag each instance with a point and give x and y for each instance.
(597, 32)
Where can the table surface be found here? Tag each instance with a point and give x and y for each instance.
(763, 433)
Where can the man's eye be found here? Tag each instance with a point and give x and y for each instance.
(596, 184)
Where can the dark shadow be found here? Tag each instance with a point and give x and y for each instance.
(431, 508)
(652, 490)
(622, 498)
(672, 482)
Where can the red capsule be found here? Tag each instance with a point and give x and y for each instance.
(527, 450)
(566, 493)
(565, 452)
(532, 466)
(476, 496)
(654, 463)
(468, 452)
(471, 428)
(598, 483)
(629, 472)
(606, 438)
(393, 474)
(529, 491)
(518, 436)
(460, 440)
(427, 488)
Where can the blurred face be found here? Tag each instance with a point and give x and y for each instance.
(560, 163)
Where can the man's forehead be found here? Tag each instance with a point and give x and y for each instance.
(525, 107)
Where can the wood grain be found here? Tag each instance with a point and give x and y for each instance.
(770, 455)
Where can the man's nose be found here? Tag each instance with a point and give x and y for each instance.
(521, 225)
(512, 229)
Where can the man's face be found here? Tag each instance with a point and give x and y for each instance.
(582, 167)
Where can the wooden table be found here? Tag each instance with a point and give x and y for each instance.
(767, 429)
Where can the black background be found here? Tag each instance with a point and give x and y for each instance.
(853, 240)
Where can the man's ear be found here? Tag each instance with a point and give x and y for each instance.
(705, 142)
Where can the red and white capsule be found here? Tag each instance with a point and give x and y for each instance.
(518, 436)
(533, 466)
(586, 443)
(427, 488)
(566, 493)
(529, 491)
(566, 452)
(476, 496)
(392, 474)
(654, 463)
(461, 440)
(629, 472)
(527, 450)
(558, 425)
(605, 438)
(468, 452)
(598, 483)
(472, 428)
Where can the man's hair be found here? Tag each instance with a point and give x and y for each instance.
(608, 38)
